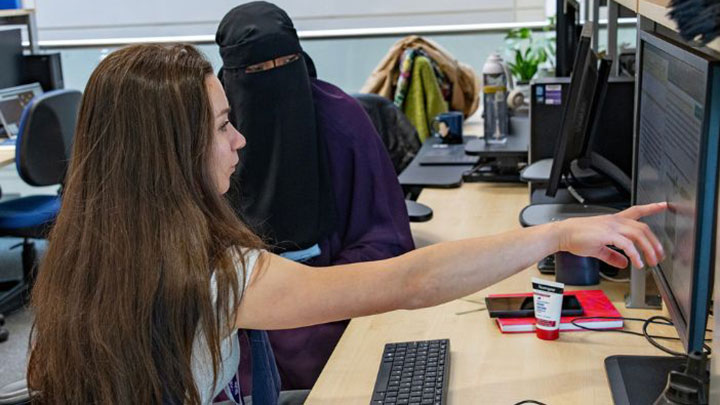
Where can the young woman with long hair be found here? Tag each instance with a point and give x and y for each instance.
(149, 274)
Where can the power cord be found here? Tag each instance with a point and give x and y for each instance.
(656, 320)
(482, 306)
(529, 401)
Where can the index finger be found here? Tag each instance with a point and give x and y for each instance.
(640, 211)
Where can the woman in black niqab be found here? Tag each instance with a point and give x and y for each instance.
(282, 186)
(316, 177)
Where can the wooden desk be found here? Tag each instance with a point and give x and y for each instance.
(442, 176)
(657, 10)
(487, 367)
(7, 155)
(630, 4)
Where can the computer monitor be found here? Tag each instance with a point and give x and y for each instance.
(678, 133)
(12, 103)
(587, 87)
(567, 35)
(676, 160)
(10, 58)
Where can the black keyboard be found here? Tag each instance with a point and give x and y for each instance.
(413, 373)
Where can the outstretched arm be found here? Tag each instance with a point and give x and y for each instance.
(284, 294)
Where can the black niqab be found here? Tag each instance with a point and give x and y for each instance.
(282, 186)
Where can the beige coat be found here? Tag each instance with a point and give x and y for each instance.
(465, 84)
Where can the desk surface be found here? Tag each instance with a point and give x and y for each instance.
(486, 366)
(657, 10)
(443, 176)
(7, 155)
(516, 144)
(450, 176)
(16, 12)
(631, 4)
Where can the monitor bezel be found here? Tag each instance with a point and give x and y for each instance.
(691, 330)
(565, 48)
(561, 162)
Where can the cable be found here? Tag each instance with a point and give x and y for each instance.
(482, 306)
(669, 322)
(629, 332)
(471, 311)
(646, 322)
(652, 340)
(573, 192)
(529, 401)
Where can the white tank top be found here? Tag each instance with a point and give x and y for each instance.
(229, 347)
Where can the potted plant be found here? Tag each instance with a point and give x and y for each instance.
(528, 53)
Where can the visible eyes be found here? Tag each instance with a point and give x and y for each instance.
(224, 126)
(272, 63)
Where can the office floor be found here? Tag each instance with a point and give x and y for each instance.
(13, 352)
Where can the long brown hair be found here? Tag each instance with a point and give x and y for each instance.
(124, 288)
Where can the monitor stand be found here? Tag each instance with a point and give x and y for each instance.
(640, 380)
(539, 214)
(539, 172)
(503, 162)
(606, 195)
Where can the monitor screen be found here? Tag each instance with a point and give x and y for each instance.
(10, 58)
(12, 103)
(677, 161)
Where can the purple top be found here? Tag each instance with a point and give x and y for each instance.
(372, 224)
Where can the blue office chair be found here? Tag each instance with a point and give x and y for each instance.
(42, 154)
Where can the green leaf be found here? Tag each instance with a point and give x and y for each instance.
(528, 52)
(542, 55)
(513, 34)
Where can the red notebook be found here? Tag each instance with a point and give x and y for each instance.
(594, 303)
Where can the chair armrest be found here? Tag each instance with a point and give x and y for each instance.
(418, 212)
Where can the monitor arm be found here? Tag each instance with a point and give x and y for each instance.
(608, 169)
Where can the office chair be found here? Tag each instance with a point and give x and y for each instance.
(398, 134)
(401, 141)
(42, 154)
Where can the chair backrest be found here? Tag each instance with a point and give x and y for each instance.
(397, 132)
(45, 137)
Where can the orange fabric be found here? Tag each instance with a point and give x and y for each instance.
(465, 83)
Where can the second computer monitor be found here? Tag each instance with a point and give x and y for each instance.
(575, 112)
